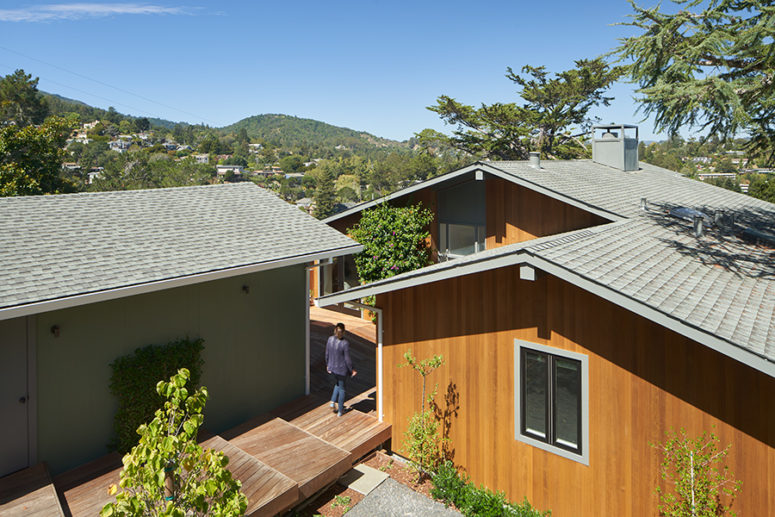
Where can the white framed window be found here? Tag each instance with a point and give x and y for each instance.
(551, 403)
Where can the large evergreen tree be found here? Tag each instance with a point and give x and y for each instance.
(20, 102)
(710, 66)
(554, 108)
(325, 193)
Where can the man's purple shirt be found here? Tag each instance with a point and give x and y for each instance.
(338, 356)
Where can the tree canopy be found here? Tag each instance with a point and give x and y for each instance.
(554, 108)
(20, 101)
(709, 66)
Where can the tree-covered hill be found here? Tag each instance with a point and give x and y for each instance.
(59, 105)
(287, 131)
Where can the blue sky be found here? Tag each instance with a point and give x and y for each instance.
(368, 65)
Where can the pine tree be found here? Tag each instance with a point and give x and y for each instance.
(325, 193)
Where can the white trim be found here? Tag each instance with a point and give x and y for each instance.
(32, 390)
(306, 333)
(121, 292)
(378, 312)
(584, 360)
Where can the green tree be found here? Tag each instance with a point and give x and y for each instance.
(422, 443)
(325, 193)
(395, 240)
(20, 101)
(692, 467)
(168, 473)
(710, 66)
(31, 158)
(292, 163)
(725, 165)
(554, 108)
(142, 124)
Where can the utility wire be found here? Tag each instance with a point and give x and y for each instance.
(111, 101)
(108, 85)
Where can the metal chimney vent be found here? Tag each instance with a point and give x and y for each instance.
(612, 146)
(535, 160)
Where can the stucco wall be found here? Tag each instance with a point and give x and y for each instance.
(254, 355)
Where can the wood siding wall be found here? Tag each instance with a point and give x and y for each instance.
(643, 381)
(516, 214)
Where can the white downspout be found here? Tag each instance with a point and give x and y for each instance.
(307, 365)
(378, 312)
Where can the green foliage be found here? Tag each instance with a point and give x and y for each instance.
(423, 444)
(762, 187)
(325, 194)
(554, 108)
(452, 488)
(727, 183)
(168, 473)
(133, 381)
(343, 501)
(709, 65)
(693, 468)
(31, 158)
(20, 102)
(394, 240)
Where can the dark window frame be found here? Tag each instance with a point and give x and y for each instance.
(549, 443)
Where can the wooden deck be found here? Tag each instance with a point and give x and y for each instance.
(281, 459)
(29, 492)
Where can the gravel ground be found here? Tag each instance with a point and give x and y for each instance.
(391, 498)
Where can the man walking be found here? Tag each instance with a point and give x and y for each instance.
(339, 364)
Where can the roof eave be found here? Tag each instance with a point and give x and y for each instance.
(29, 309)
(721, 345)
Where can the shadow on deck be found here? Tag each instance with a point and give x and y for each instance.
(282, 458)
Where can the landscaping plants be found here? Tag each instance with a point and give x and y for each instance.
(450, 488)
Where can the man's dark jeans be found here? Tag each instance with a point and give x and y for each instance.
(338, 394)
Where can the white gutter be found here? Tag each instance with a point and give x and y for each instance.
(131, 290)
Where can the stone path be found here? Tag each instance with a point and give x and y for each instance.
(392, 499)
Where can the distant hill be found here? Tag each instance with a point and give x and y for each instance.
(287, 131)
(59, 105)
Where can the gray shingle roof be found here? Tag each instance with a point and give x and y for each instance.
(60, 246)
(720, 284)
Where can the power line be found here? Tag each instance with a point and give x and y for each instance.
(108, 85)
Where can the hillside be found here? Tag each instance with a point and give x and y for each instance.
(59, 105)
(287, 131)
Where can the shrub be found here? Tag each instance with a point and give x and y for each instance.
(134, 380)
(168, 473)
(450, 488)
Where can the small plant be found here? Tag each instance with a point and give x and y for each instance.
(693, 467)
(343, 501)
(450, 488)
(423, 444)
(385, 468)
(168, 473)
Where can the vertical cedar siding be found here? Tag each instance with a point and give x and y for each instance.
(516, 214)
(643, 381)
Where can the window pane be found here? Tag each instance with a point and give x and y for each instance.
(534, 388)
(443, 247)
(461, 239)
(567, 402)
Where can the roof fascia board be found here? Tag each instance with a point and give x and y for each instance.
(718, 344)
(452, 272)
(122, 292)
(513, 178)
(403, 192)
(523, 257)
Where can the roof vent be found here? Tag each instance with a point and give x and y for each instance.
(612, 146)
(535, 160)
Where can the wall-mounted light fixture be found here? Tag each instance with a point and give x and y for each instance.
(246, 289)
(55, 330)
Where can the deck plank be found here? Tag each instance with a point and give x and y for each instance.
(29, 492)
(304, 458)
(84, 490)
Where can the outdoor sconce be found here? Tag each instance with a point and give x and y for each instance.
(246, 289)
(55, 330)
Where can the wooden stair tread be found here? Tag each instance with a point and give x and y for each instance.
(29, 492)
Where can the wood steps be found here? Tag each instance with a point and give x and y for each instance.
(29, 492)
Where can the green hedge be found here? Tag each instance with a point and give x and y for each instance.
(134, 382)
(450, 488)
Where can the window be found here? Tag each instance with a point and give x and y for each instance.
(462, 219)
(551, 403)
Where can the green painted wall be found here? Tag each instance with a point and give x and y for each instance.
(254, 355)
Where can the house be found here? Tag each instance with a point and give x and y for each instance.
(585, 309)
(87, 278)
(221, 170)
(201, 158)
